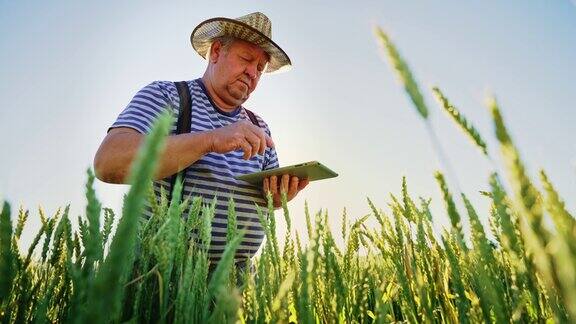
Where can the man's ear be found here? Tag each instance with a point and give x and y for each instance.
(215, 51)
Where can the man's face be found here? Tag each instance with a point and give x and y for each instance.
(237, 70)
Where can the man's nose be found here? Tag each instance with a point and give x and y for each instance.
(252, 71)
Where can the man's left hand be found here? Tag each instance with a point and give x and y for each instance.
(291, 185)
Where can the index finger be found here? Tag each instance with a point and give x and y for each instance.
(269, 141)
(261, 133)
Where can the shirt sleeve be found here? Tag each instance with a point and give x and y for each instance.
(271, 159)
(146, 106)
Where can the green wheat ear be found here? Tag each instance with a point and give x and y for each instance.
(466, 126)
(563, 220)
(22, 217)
(455, 219)
(536, 235)
(403, 72)
(106, 293)
(6, 253)
(526, 192)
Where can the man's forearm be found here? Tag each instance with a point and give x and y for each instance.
(181, 151)
(116, 154)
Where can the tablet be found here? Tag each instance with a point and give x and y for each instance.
(312, 170)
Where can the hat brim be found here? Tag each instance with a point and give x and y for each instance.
(202, 36)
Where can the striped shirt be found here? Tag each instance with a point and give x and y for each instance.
(213, 174)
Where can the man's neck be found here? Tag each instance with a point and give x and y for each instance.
(214, 96)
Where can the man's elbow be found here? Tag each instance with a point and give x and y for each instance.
(114, 156)
(107, 173)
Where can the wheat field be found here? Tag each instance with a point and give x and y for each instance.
(151, 271)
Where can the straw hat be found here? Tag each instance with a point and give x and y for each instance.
(255, 28)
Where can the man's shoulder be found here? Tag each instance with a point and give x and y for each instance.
(159, 88)
(168, 89)
(167, 85)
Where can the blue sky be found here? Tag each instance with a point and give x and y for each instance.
(68, 69)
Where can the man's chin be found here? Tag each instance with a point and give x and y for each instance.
(240, 97)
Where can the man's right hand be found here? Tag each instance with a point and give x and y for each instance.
(241, 135)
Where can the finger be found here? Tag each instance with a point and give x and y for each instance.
(303, 183)
(267, 138)
(293, 186)
(266, 186)
(273, 185)
(262, 137)
(262, 143)
(254, 141)
(269, 141)
(247, 148)
(284, 184)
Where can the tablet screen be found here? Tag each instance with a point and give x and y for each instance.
(312, 170)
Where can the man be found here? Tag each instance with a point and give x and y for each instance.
(223, 141)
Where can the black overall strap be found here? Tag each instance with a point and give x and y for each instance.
(252, 117)
(183, 126)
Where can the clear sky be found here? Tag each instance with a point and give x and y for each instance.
(68, 68)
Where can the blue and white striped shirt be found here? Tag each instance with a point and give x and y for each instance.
(213, 174)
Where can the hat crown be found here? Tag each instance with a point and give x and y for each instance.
(258, 21)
